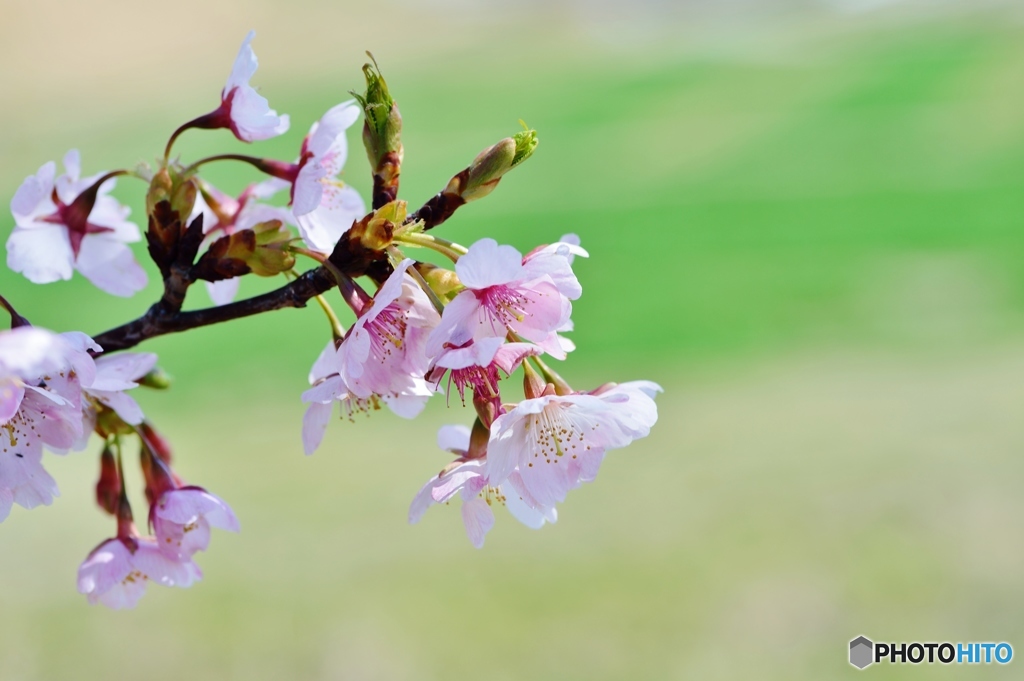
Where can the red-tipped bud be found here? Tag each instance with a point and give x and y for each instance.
(156, 442)
(108, 487)
(478, 439)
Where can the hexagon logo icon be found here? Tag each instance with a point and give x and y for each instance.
(861, 652)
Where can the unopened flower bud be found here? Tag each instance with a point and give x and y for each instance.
(443, 282)
(478, 439)
(533, 384)
(108, 487)
(156, 442)
(379, 230)
(262, 250)
(271, 255)
(492, 163)
(169, 204)
(382, 135)
(157, 379)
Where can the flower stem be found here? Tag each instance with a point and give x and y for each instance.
(16, 319)
(337, 330)
(415, 274)
(449, 249)
(562, 386)
(279, 169)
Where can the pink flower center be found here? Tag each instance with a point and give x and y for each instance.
(483, 381)
(504, 303)
(387, 332)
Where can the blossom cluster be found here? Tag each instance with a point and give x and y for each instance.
(418, 331)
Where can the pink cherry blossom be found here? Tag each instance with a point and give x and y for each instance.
(468, 477)
(55, 234)
(246, 112)
(228, 215)
(182, 519)
(557, 442)
(117, 572)
(325, 207)
(384, 352)
(42, 405)
(504, 295)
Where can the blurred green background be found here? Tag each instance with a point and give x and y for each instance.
(805, 221)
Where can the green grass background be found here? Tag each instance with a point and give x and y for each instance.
(812, 237)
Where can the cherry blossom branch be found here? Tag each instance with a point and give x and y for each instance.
(158, 321)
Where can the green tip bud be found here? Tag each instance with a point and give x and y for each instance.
(526, 143)
(383, 127)
(492, 163)
(157, 379)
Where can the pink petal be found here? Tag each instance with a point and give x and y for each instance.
(314, 425)
(110, 265)
(33, 198)
(488, 264)
(11, 394)
(42, 253)
(479, 520)
(336, 209)
(306, 196)
(454, 438)
(224, 291)
(245, 65)
(121, 371)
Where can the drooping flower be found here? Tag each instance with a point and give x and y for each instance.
(505, 295)
(65, 224)
(325, 207)
(225, 215)
(477, 364)
(384, 352)
(182, 519)
(246, 112)
(117, 572)
(468, 477)
(556, 442)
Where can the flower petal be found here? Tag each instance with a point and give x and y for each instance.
(110, 265)
(479, 520)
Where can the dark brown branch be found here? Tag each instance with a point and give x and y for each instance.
(159, 321)
(438, 209)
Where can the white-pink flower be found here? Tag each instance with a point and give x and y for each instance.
(325, 207)
(182, 519)
(504, 293)
(468, 477)
(40, 404)
(384, 353)
(247, 112)
(116, 574)
(55, 234)
(556, 442)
